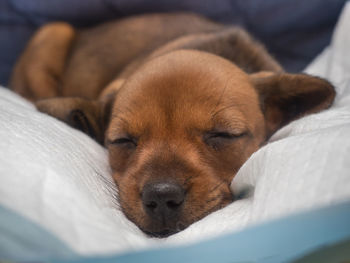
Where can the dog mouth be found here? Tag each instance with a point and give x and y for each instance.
(167, 208)
(161, 234)
(163, 203)
(165, 232)
(163, 228)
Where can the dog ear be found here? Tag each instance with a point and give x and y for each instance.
(38, 71)
(286, 97)
(88, 116)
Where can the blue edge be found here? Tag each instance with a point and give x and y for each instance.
(284, 240)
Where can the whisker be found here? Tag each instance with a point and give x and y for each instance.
(108, 186)
(213, 198)
(221, 96)
(215, 187)
(222, 109)
(190, 178)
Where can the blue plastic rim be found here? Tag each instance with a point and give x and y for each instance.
(283, 240)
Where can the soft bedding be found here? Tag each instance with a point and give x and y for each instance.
(58, 178)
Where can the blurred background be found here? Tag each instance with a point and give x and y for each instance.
(294, 31)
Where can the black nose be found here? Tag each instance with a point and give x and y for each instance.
(163, 200)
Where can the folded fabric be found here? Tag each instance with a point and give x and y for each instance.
(320, 236)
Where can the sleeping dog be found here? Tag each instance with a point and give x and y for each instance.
(179, 101)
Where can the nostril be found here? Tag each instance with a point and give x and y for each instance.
(173, 204)
(151, 205)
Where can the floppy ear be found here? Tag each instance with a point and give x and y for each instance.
(286, 97)
(38, 71)
(88, 116)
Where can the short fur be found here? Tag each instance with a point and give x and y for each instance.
(174, 98)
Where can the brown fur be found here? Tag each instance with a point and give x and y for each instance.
(174, 97)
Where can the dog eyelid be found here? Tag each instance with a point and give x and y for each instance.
(226, 135)
(123, 140)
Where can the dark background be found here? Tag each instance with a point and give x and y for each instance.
(294, 31)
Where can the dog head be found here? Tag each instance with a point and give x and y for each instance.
(182, 125)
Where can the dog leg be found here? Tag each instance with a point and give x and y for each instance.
(88, 116)
(38, 71)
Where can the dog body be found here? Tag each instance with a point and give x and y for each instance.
(179, 101)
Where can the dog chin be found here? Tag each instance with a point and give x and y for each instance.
(163, 233)
(160, 231)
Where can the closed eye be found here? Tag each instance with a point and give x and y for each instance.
(226, 135)
(124, 141)
(218, 140)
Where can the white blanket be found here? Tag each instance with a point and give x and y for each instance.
(60, 179)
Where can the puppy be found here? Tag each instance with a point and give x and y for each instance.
(179, 101)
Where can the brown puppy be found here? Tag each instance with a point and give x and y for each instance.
(179, 101)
